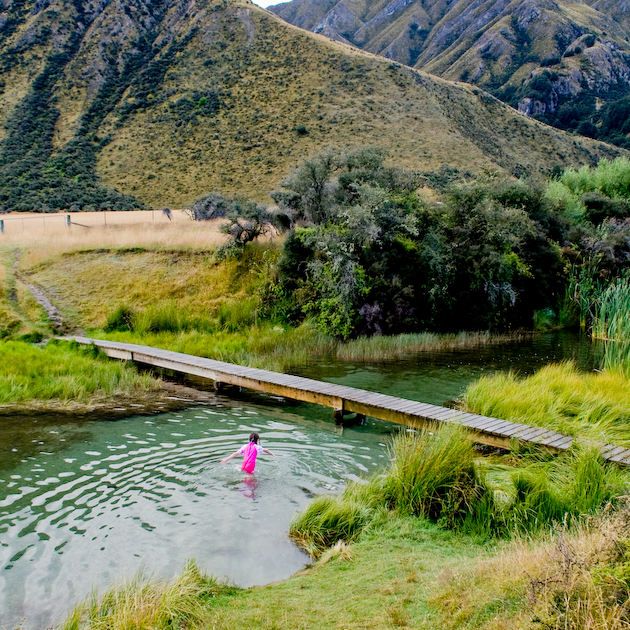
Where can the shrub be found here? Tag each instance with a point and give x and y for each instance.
(211, 206)
(550, 61)
(121, 319)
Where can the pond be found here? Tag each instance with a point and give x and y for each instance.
(87, 502)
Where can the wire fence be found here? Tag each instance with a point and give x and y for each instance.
(53, 223)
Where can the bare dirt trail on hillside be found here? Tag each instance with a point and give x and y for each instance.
(57, 322)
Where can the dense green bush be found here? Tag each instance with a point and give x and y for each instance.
(366, 254)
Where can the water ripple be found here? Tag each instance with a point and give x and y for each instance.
(152, 492)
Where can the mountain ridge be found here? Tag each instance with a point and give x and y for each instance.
(164, 102)
(580, 51)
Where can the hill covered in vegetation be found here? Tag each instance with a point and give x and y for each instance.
(565, 63)
(116, 105)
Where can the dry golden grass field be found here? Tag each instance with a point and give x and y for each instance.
(42, 236)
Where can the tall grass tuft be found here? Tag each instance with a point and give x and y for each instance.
(330, 518)
(593, 406)
(148, 604)
(562, 489)
(432, 472)
(120, 319)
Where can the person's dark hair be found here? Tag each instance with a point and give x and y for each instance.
(254, 437)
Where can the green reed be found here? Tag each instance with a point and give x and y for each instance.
(63, 371)
(611, 323)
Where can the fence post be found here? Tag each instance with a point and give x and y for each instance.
(68, 221)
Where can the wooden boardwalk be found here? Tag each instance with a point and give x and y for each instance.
(345, 400)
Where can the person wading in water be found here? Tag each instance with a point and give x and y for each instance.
(250, 452)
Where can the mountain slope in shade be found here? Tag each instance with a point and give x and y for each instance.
(167, 101)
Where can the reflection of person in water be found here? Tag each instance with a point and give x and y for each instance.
(250, 452)
(251, 485)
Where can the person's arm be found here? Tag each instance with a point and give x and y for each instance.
(232, 456)
(266, 450)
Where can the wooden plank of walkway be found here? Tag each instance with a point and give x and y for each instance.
(490, 431)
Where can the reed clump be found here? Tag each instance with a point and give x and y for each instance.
(611, 323)
(64, 371)
(593, 406)
(391, 347)
(435, 474)
(149, 604)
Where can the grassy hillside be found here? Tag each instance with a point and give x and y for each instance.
(167, 102)
(565, 63)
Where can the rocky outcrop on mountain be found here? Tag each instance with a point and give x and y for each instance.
(466, 36)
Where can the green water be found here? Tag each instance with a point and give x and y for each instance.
(86, 502)
(440, 377)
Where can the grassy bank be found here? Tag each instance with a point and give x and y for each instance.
(62, 374)
(436, 475)
(403, 551)
(407, 573)
(593, 406)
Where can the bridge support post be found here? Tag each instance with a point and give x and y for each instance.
(219, 386)
(338, 416)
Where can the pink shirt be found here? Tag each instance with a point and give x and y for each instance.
(250, 451)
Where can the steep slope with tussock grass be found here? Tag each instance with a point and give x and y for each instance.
(168, 101)
(560, 62)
